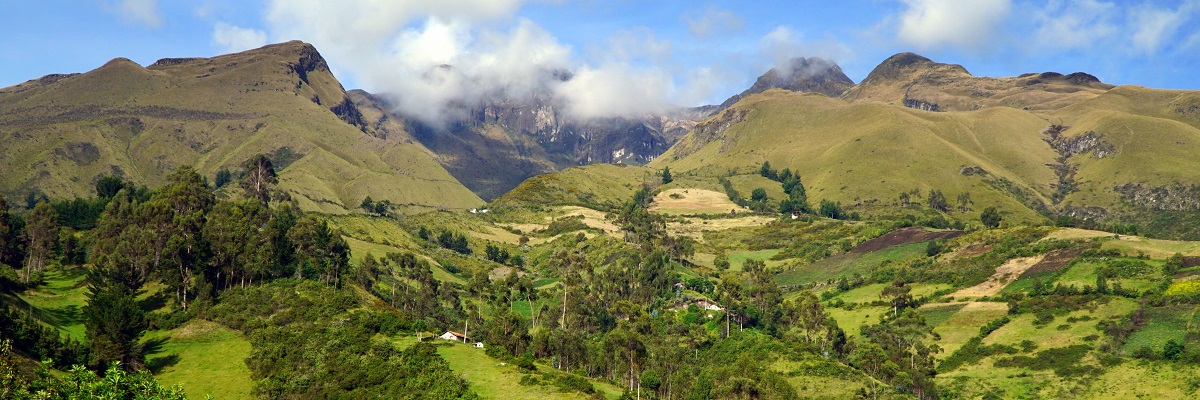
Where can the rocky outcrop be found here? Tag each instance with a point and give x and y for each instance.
(347, 111)
(1176, 197)
(711, 130)
(921, 105)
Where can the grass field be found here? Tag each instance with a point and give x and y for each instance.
(1061, 332)
(1131, 245)
(206, 358)
(697, 228)
(738, 258)
(492, 380)
(1084, 274)
(846, 264)
(851, 320)
(60, 301)
(962, 324)
(936, 314)
(812, 378)
(685, 201)
(1166, 323)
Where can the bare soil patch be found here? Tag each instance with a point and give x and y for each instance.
(1005, 274)
(903, 236)
(1054, 261)
(973, 250)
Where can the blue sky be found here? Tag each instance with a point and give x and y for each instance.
(628, 56)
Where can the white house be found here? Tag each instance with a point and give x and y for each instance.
(455, 336)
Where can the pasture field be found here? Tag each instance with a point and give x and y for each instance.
(692, 201)
(493, 379)
(60, 300)
(846, 264)
(206, 358)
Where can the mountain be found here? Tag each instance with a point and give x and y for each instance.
(813, 75)
(1038, 146)
(918, 82)
(60, 132)
(501, 141)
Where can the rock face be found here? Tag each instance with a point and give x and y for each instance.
(809, 75)
(502, 141)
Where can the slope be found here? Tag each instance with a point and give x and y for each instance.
(1036, 146)
(866, 154)
(60, 132)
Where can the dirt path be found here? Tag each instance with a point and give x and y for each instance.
(1005, 274)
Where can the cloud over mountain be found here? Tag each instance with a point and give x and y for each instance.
(970, 25)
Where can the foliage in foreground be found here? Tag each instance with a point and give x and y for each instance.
(303, 334)
(80, 383)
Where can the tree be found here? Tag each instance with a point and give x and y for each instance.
(223, 177)
(990, 217)
(177, 216)
(114, 322)
(666, 175)
(964, 201)
(260, 175)
(937, 201)
(721, 262)
(1173, 349)
(10, 235)
(41, 234)
(108, 186)
(899, 294)
(830, 209)
(759, 194)
(367, 205)
(319, 250)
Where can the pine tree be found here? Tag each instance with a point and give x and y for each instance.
(114, 322)
(666, 175)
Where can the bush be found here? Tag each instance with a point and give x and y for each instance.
(1143, 352)
(1173, 349)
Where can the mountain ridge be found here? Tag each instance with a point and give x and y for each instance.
(213, 113)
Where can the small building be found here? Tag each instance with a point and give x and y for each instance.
(708, 305)
(455, 336)
(479, 345)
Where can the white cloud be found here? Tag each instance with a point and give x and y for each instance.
(969, 25)
(616, 90)
(714, 22)
(435, 57)
(1074, 24)
(1153, 27)
(233, 39)
(141, 11)
(783, 44)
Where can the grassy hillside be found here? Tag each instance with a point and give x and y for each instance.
(1098, 154)
(62, 131)
(867, 154)
(600, 186)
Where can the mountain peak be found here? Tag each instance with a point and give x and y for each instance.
(906, 65)
(811, 75)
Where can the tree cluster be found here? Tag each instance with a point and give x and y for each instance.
(381, 207)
